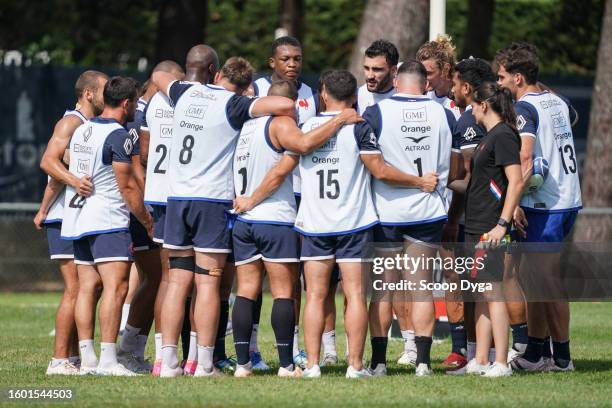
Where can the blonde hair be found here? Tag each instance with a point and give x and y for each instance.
(440, 50)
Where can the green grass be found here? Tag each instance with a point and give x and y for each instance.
(25, 349)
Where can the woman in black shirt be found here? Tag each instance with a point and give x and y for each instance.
(492, 195)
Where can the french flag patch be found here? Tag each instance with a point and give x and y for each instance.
(495, 190)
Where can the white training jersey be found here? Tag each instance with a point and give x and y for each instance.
(336, 190)
(447, 102)
(56, 210)
(307, 106)
(414, 135)
(158, 122)
(365, 98)
(546, 117)
(255, 156)
(207, 121)
(95, 145)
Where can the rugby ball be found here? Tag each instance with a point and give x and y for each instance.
(540, 172)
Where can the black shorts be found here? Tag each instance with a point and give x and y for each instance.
(492, 265)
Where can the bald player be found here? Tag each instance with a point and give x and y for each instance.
(90, 102)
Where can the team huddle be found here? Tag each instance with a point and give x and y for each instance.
(208, 181)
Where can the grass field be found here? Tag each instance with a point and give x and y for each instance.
(25, 349)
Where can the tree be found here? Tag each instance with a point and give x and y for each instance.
(181, 25)
(478, 29)
(597, 179)
(291, 17)
(404, 23)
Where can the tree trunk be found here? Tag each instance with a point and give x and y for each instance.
(478, 29)
(291, 17)
(597, 179)
(404, 23)
(181, 25)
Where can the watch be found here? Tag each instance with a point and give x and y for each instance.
(503, 223)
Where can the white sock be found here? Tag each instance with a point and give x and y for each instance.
(253, 343)
(141, 345)
(57, 361)
(158, 346)
(492, 355)
(296, 341)
(169, 355)
(74, 359)
(192, 355)
(125, 311)
(88, 353)
(471, 350)
(346, 350)
(409, 344)
(108, 355)
(205, 357)
(329, 342)
(128, 339)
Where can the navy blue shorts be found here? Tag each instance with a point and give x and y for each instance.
(548, 230)
(140, 238)
(392, 237)
(58, 248)
(201, 225)
(270, 242)
(97, 248)
(353, 247)
(159, 219)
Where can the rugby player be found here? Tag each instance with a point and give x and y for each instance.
(379, 69)
(286, 61)
(546, 216)
(98, 225)
(415, 140)
(263, 235)
(207, 120)
(336, 218)
(90, 101)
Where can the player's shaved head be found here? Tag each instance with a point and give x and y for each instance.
(168, 66)
(88, 80)
(411, 75)
(283, 88)
(201, 63)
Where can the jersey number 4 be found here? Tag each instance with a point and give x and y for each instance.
(328, 186)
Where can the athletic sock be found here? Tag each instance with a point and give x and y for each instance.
(408, 336)
(57, 361)
(88, 353)
(423, 346)
(546, 348)
(186, 329)
(205, 357)
(329, 343)
(296, 341)
(533, 352)
(141, 345)
(471, 350)
(492, 355)
(458, 338)
(253, 347)
(74, 359)
(193, 347)
(108, 355)
(158, 346)
(128, 339)
(561, 353)
(169, 354)
(242, 324)
(219, 353)
(283, 322)
(379, 351)
(519, 336)
(125, 312)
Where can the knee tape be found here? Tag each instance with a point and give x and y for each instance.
(182, 262)
(216, 272)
